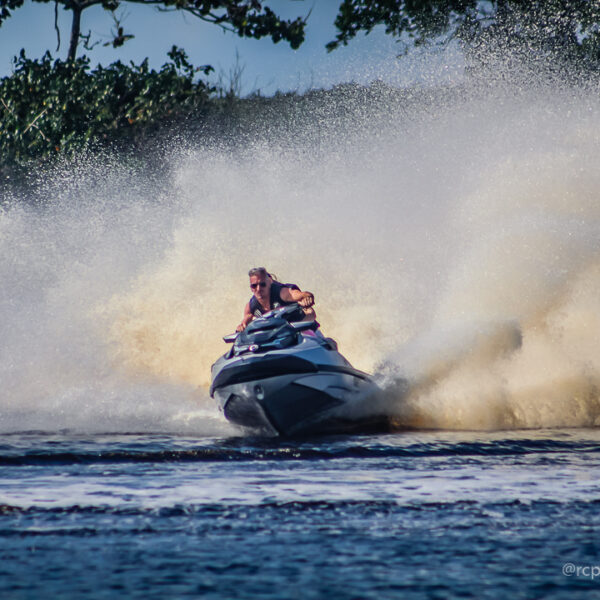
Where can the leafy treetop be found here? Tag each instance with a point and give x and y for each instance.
(247, 18)
(557, 28)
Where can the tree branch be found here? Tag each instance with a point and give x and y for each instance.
(56, 25)
(32, 124)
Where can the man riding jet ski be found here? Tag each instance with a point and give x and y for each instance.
(282, 377)
(267, 294)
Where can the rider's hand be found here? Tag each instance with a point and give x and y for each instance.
(307, 301)
(240, 327)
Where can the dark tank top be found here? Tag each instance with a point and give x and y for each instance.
(275, 298)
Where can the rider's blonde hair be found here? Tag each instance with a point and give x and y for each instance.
(261, 272)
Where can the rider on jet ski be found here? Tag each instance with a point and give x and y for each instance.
(269, 294)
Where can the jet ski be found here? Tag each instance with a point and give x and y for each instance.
(281, 376)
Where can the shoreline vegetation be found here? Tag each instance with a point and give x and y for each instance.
(54, 111)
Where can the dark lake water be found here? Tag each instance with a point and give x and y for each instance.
(409, 515)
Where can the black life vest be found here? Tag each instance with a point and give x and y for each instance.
(275, 298)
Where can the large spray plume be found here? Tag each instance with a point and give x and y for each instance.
(450, 237)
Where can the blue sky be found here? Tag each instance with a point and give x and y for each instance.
(266, 66)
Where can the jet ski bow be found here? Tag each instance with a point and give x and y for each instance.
(281, 376)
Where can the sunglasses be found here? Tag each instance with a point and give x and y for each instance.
(262, 284)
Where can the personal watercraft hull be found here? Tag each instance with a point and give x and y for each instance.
(309, 388)
(283, 377)
(296, 404)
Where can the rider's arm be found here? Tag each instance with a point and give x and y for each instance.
(245, 319)
(304, 299)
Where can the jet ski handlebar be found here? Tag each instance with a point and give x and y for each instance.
(289, 312)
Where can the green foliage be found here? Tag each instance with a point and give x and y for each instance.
(6, 6)
(247, 18)
(567, 31)
(51, 107)
(419, 19)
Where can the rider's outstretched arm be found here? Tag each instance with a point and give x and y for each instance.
(304, 299)
(245, 319)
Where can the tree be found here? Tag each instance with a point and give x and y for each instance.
(247, 18)
(556, 29)
(52, 107)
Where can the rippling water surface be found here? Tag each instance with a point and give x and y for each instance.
(412, 515)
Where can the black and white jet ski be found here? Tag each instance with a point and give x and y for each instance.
(282, 377)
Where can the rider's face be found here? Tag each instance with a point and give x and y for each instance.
(260, 286)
